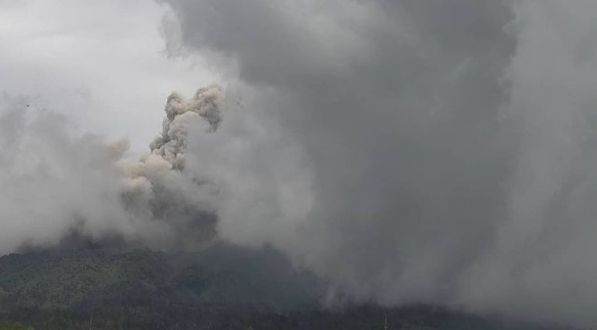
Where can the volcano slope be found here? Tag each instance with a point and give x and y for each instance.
(220, 287)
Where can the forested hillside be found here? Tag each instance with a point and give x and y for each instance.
(222, 287)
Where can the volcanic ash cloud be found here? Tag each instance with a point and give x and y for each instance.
(55, 182)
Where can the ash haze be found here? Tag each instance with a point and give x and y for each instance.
(412, 151)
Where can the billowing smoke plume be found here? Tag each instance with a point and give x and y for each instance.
(167, 151)
(55, 182)
(179, 115)
(409, 151)
(425, 151)
(156, 188)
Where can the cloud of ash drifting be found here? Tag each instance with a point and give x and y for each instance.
(55, 182)
(411, 151)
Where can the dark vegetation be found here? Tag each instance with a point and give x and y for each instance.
(222, 287)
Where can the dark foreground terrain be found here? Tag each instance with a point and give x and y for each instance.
(222, 287)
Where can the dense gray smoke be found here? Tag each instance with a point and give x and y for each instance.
(51, 181)
(156, 188)
(411, 151)
(408, 151)
(179, 114)
(55, 182)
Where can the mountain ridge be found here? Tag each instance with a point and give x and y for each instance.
(221, 287)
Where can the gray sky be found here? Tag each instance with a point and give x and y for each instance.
(101, 62)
